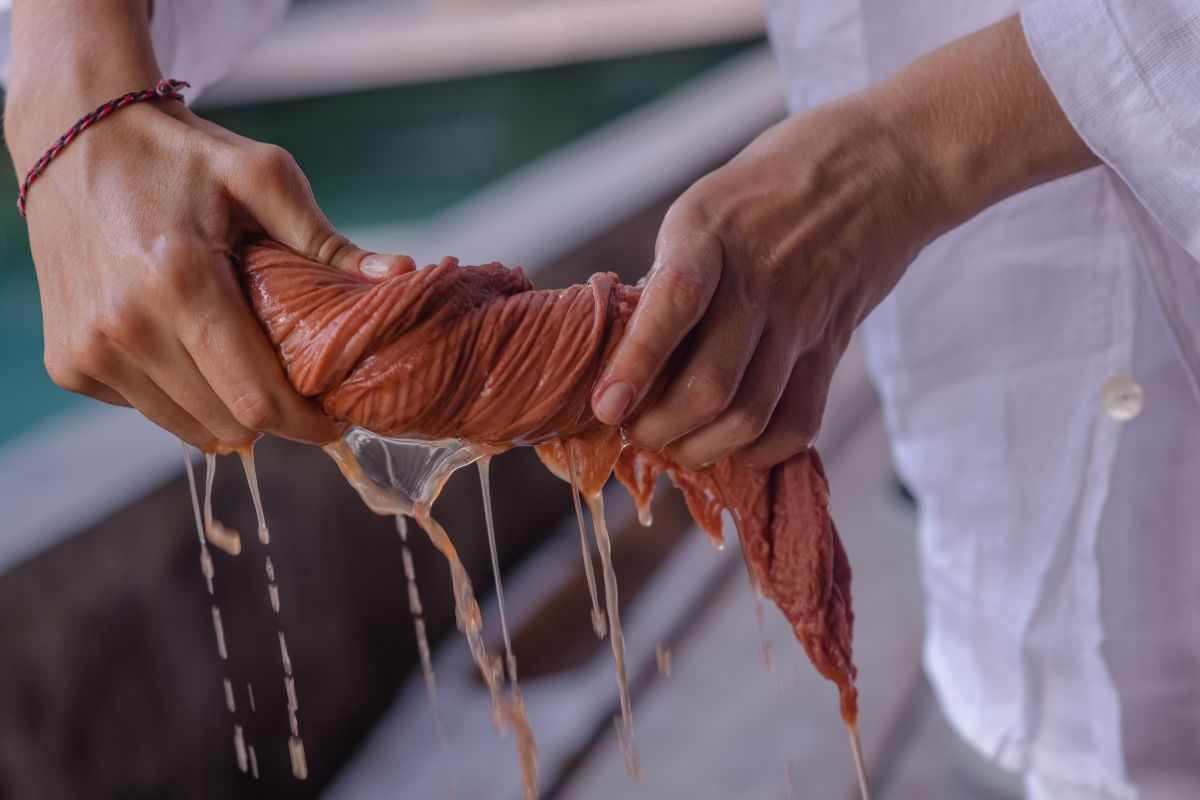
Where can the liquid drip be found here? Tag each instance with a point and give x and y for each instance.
(466, 610)
(295, 743)
(485, 487)
(253, 762)
(250, 694)
(283, 655)
(859, 767)
(221, 536)
(518, 721)
(417, 610)
(616, 636)
(206, 567)
(264, 535)
(219, 629)
(764, 647)
(599, 623)
(293, 705)
(206, 562)
(513, 706)
(272, 586)
(299, 760)
(239, 747)
(207, 570)
(511, 712)
(662, 656)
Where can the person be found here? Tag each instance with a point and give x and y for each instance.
(1007, 193)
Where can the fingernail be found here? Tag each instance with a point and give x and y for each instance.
(613, 403)
(375, 266)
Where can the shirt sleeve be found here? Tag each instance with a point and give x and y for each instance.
(197, 41)
(1127, 75)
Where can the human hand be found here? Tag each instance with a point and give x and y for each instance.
(132, 230)
(764, 267)
(762, 271)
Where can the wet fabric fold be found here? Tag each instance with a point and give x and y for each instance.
(476, 353)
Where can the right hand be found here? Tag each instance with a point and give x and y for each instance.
(132, 229)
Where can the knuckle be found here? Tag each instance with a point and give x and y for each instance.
(65, 376)
(691, 457)
(709, 391)
(177, 270)
(748, 421)
(124, 324)
(254, 409)
(275, 162)
(684, 289)
(92, 353)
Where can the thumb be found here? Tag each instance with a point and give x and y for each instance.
(277, 197)
(678, 290)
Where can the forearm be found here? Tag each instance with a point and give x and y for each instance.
(979, 115)
(67, 57)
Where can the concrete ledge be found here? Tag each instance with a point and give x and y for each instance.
(357, 45)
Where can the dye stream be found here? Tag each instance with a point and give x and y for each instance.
(417, 610)
(247, 759)
(227, 539)
(599, 624)
(404, 478)
(295, 743)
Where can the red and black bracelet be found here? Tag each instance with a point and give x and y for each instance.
(165, 90)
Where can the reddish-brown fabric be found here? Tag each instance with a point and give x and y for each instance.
(476, 353)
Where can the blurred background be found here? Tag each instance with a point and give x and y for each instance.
(551, 135)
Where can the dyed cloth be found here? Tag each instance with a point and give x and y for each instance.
(475, 353)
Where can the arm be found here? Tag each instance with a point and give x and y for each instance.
(131, 229)
(764, 267)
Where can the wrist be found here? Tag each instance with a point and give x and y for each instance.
(65, 61)
(978, 120)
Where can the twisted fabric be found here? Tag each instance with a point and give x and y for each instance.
(476, 353)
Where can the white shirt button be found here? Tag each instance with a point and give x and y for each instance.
(1123, 398)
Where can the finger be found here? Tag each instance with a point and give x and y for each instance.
(98, 391)
(276, 195)
(131, 384)
(699, 391)
(228, 346)
(797, 419)
(680, 287)
(747, 417)
(172, 368)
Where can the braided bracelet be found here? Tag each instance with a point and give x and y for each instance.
(165, 90)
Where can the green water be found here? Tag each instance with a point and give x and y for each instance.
(374, 156)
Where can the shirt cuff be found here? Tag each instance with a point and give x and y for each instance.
(1122, 71)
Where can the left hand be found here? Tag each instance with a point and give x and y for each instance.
(762, 271)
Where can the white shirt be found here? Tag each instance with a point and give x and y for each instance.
(1061, 552)
(1060, 547)
(197, 41)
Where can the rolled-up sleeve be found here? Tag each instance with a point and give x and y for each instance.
(197, 41)
(1127, 75)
